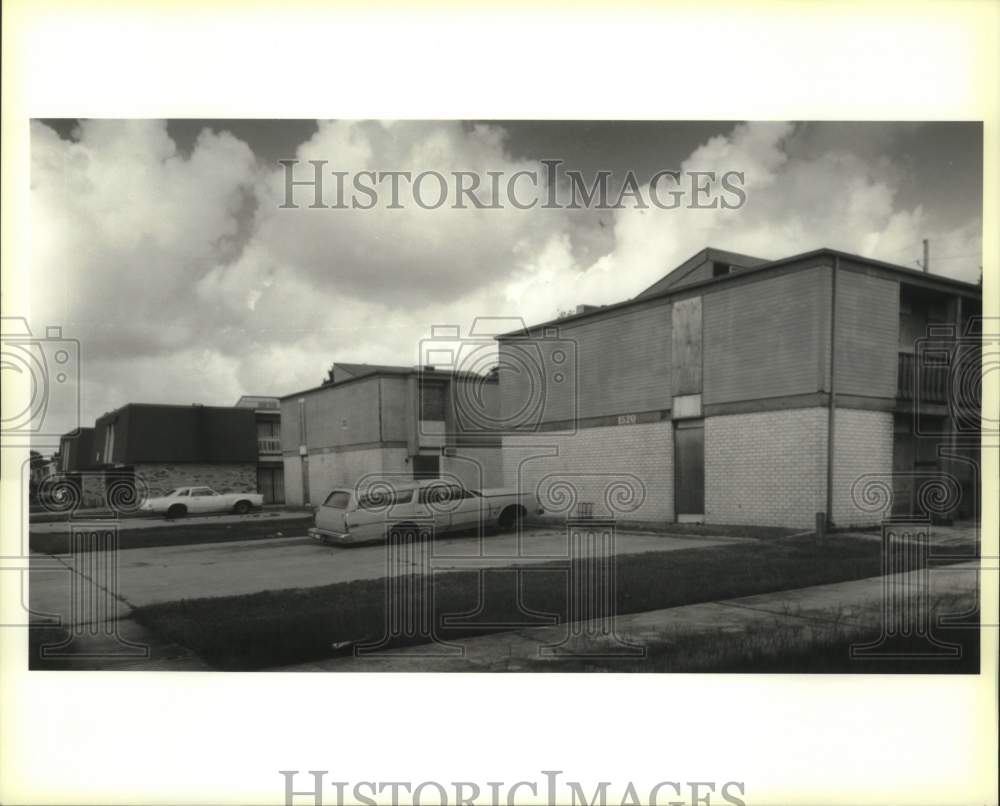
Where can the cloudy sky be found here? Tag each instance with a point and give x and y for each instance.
(162, 248)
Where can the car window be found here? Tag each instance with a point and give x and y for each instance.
(441, 493)
(433, 495)
(384, 498)
(200, 491)
(338, 499)
(183, 492)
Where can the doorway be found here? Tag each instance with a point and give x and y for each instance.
(426, 466)
(689, 470)
(271, 484)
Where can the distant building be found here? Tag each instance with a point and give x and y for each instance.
(270, 467)
(744, 391)
(78, 466)
(167, 446)
(376, 420)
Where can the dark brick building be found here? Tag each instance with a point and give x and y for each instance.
(165, 446)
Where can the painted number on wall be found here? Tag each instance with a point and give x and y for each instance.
(627, 419)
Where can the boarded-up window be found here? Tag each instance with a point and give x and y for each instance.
(686, 346)
(432, 401)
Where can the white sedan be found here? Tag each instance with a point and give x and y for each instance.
(201, 500)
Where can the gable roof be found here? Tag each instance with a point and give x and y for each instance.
(903, 273)
(357, 370)
(708, 255)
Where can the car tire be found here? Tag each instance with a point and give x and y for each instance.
(177, 511)
(242, 507)
(511, 519)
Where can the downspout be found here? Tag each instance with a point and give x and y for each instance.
(831, 417)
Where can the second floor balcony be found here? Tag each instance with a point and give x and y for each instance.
(922, 377)
(269, 446)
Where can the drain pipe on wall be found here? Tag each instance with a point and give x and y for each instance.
(831, 417)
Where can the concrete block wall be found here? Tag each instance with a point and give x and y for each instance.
(475, 467)
(766, 468)
(593, 459)
(346, 468)
(293, 480)
(862, 445)
(223, 478)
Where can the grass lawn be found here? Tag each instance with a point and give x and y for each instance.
(275, 628)
(807, 646)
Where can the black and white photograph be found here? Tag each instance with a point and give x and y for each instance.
(359, 404)
(505, 396)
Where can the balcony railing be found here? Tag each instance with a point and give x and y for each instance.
(920, 379)
(268, 445)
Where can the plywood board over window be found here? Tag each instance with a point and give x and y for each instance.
(686, 346)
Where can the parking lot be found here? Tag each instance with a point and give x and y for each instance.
(170, 573)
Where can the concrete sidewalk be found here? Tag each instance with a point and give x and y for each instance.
(169, 573)
(843, 605)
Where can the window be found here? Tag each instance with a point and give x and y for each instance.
(182, 493)
(432, 401)
(436, 494)
(442, 493)
(109, 443)
(201, 491)
(426, 466)
(339, 499)
(721, 269)
(383, 499)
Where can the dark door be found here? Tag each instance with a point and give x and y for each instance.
(689, 467)
(904, 452)
(271, 484)
(427, 467)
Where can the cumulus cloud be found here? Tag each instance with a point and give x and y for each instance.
(186, 281)
(799, 198)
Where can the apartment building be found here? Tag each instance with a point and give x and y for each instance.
(371, 421)
(270, 467)
(164, 446)
(737, 390)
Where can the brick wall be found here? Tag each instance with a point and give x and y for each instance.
(610, 364)
(92, 490)
(862, 444)
(475, 467)
(223, 478)
(766, 468)
(593, 459)
(766, 338)
(867, 335)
